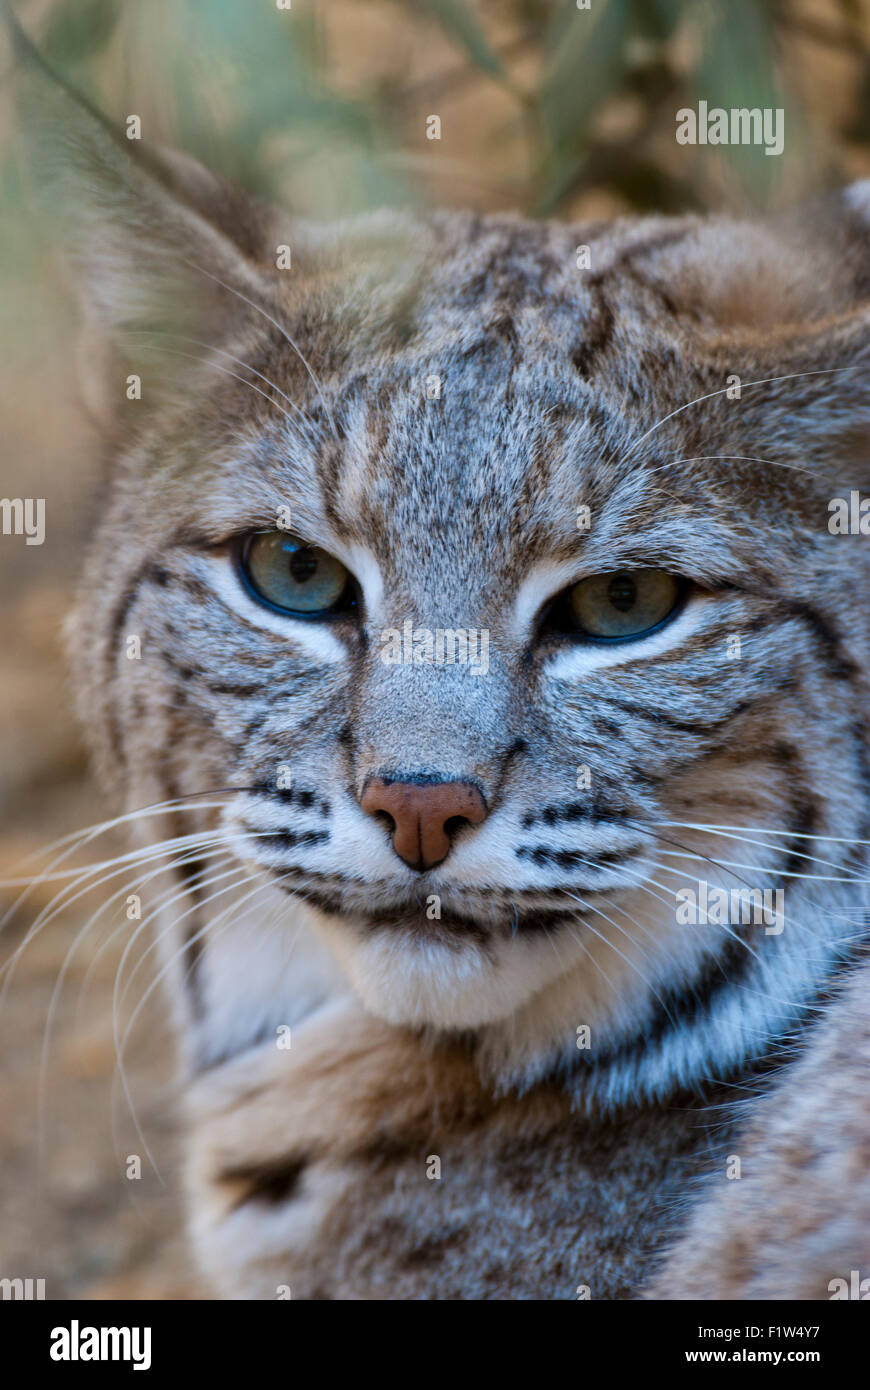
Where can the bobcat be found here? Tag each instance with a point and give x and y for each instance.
(515, 1069)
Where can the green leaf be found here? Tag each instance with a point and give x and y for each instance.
(79, 30)
(584, 70)
(737, 69)
(460, 22)
(657, 19)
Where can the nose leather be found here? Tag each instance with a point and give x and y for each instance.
(420, 812)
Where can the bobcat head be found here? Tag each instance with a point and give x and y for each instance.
(490, 589)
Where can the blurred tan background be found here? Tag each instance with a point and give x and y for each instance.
(543, 107)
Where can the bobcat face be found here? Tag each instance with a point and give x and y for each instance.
(480, 837)
(461, 513)
(602, 491)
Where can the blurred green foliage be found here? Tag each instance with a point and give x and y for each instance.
(257, 91)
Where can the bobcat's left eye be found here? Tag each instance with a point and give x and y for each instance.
(285, 573)
(623, 603)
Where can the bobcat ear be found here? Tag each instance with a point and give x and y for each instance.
(160, 249)
(777, 316)
(824, 339)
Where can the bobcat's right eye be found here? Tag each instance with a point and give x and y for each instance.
(623, 603)
(286, 574)
(617, 605)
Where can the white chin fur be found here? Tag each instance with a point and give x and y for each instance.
(444, 986)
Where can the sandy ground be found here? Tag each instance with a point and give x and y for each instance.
(68, 1213)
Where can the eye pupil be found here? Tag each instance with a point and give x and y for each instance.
(622, 592)
(303, 564)
(622, 603)
(294, 577)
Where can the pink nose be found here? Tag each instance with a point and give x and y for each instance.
(423, 815)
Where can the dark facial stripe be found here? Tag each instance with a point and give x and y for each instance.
(291, 839)
(685, 726)
(571, 858)
(270, 1182)
(191, 875)
(295, 796)
(838, 663)
(594, 809)
(149, 572)
(804, 817)
(688, 1005)
(598, 332)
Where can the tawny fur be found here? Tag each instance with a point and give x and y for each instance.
(797, 1220)
(312, 1176)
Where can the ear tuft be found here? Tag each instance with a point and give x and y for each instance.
(159, 248)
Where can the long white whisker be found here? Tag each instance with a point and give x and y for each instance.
(758, 830)
(166, 905)
(136, 884)
(590, 907)
(221, 352)
(200, 903)
(281, 329)
(768, 869)
(58, 988)
(744, 385)
(80, 838)
(120, 1044)
(741, 458)
(798, 854)
(126, 857)
(208, 927)
(52, 909)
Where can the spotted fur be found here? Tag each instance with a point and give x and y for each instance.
(456, 1037)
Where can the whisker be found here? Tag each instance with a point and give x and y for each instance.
(744, 385)
(589, 907)
(742, 458)
(200, 903)
(179, 803)
(697, 854)
(60, 902)
(221, 352)
(769, 869)
(594, 960)
(190, 802)
(165, 906)
(55, 998)
(760, 830)
(284, 334)
(192, 882)
(209, 926)
(798, 854)
(119, 1044)
(191, 357)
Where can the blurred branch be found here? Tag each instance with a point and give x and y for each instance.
(463, 74)
(458, 20)
(848, 38)
(256, 92)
